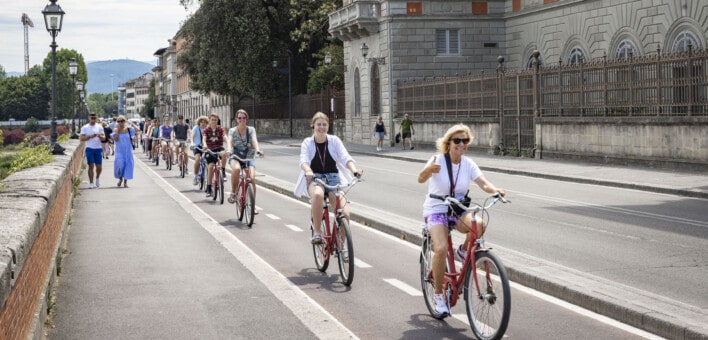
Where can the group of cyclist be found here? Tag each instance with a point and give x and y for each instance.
(324, 156)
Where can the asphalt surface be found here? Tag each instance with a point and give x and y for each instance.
(133, 273)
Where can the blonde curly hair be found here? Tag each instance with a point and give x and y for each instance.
(443, 143)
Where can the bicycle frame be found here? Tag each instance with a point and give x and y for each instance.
(332, 230)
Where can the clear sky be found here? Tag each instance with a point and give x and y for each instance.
(98, 29)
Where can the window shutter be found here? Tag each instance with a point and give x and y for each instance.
(454, 42)
(441, 41)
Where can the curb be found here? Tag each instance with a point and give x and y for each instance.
(650, 312)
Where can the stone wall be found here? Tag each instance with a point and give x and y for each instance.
(35, 205)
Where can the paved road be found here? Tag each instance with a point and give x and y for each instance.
(107, 238)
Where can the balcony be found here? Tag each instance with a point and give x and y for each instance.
(356, 20)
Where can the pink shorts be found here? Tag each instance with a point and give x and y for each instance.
(440, 218)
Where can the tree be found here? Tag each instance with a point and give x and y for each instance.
(23, 97)
(327, 75)
(2, 72)
(65, 85)
(148, 109)
(229, 52)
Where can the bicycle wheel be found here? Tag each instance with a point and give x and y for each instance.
(157, 158)
(202, 168)
(345, 251)
(240, 206)
(426, 278)
(488, 312)
(249, 204)
(320, 250)
(180, 159)
(168, 161)
(221, 186)
(215, 183)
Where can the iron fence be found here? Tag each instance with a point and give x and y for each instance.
(652, 87)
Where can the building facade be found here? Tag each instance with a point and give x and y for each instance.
(389, 42)
(133, 94)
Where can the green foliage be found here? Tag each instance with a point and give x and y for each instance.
(32, 125)
(2, 74)
(66, 87)
(5, 163)
(327, 75)
(2, 138)
(23, 97)
(29, 157)
(229, 52)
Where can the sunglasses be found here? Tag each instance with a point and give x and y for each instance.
(242, 118)
(458, 140)
(92, 117)
(121, 121)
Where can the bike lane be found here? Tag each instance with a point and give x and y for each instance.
(143, 262)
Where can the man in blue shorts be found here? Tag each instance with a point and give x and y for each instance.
(92, 133)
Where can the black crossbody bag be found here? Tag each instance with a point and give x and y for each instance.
(454, 209)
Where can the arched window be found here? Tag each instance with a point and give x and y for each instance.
(357, 94)
(375, 90)
(576, 56)
(682, 41)
(626, 49)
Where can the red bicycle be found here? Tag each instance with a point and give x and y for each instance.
(336, 239)
(217, 177)
(245, 193)
(483, 281)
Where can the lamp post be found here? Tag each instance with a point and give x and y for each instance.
(73, 67)
(80, 88)
(53, 17)
(290, 93)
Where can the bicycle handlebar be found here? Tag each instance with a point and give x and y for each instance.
(450, 200)
(339, 187)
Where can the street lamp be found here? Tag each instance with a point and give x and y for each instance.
(53, 17)
(290, 93)
(365, 52)
(80, 88)
(73, 67)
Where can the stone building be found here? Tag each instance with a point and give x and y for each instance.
(390, 41)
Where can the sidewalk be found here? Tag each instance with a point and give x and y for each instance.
(654, 313)
(145, 263)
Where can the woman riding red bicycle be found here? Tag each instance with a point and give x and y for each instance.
(323, 156)
(455, 179)
(243, 142)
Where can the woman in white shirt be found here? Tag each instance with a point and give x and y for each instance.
(323, 156)
(437, 220)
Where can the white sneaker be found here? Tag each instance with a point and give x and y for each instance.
(98, 183)
(91, 186)
(441, 304)
(196, 180)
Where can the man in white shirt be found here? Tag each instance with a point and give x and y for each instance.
(92, 133)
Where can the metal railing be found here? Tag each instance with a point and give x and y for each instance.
(652, 87)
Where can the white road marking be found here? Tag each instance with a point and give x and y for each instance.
(272, 217)
(361, 264)
(323, 324)
(294, 227)
(404, 287)
(585, 312)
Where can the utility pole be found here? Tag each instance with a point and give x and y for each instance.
(26, 21)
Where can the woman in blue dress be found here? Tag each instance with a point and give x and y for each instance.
(123, 164)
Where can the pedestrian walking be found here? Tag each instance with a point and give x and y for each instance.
(379, 133)
(123, 165)
(92, 134)
(407, 132)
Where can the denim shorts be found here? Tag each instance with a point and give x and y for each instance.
(329, 178)
(251, 163)
(380, 135)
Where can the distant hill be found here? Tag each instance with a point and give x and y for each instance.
(99, 73)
